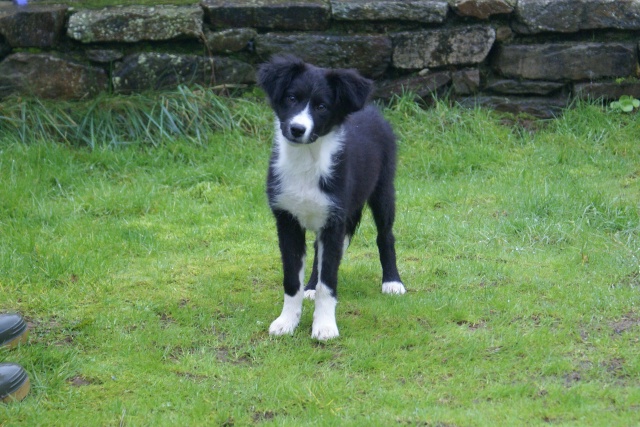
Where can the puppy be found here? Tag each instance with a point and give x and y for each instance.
(332, 154)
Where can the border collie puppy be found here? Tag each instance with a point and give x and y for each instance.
(331, 155)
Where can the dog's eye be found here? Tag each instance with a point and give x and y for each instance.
(321, 107)
(291, 99)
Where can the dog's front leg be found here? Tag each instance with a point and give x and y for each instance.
(329, 254)
(292, 248)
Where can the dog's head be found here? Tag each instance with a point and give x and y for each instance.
(309, 101)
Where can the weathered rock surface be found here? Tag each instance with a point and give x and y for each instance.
(523, 87)
(544, 108)
(427, 11)
(228, 41)
(135, 23)
(466, 82)
(503, 33)
(104, 56)
(370, 54)
(32, 26)
(49, 76)
(5, 49)
(483, 9)
(424, 46)
(269, 14)
(566, 61)
(442, 47)
(422, 86)
(154, 71)
(606, 90)
(566, 16)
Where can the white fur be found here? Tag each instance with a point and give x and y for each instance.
(393, 288)
(299, 168)
(305, 120)
(301, 272)
(324, 316)
(345, 245)
(288, 320)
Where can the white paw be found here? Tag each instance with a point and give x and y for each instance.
(324, 331)
(324, 316)
(310, 294)
(284, 325)
(290, 316)
(393, 288)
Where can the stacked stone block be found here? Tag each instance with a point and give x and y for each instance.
(517, 55)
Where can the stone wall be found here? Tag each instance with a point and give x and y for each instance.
(518, 55)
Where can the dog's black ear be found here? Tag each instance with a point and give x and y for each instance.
(351, 89)
(276, 75)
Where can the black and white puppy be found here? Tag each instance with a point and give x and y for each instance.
(332, 154)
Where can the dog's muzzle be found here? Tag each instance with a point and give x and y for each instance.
(298, 134)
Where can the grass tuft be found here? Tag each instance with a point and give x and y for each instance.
(188, 113)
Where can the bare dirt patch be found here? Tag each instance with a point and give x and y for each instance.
(81, 381)
(628, 321)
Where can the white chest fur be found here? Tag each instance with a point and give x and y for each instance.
(299, 169)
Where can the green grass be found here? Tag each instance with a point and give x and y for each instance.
(189, 113)
(149, 272)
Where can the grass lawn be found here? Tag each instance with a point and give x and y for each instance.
(149, 272)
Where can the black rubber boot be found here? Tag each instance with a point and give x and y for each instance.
(13, 330)
(14, 382)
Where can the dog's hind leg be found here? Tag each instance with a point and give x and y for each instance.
(292, 247)
(310, 289)
(352, 225)
(382, 204)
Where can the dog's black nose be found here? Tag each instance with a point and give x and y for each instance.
(297, 130)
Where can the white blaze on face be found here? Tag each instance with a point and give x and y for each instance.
(304, 120)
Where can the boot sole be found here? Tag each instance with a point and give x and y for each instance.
(19, 394)
(20, 339)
